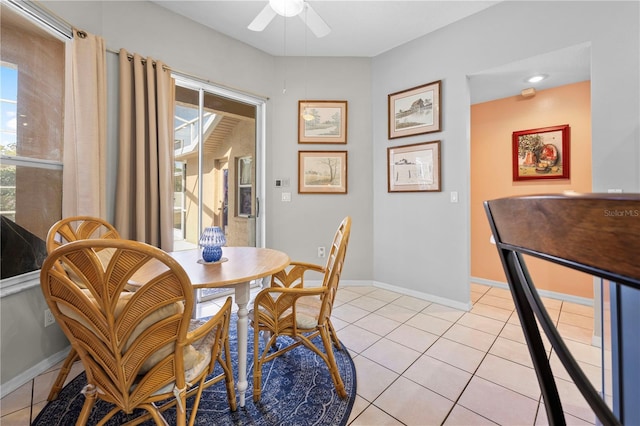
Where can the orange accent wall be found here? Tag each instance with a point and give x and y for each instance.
(492, 125)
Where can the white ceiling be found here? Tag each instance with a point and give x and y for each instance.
(364, 28)
(358, 28)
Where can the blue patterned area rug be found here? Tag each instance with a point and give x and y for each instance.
(297, 390)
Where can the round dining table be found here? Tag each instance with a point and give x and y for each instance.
(236, 269)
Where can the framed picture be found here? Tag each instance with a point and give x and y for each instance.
(541, 153)
(414, 168)
(322, 121)
(322, 172)
(415, 111)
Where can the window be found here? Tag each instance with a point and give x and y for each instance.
(8, 120)
(31, 139)
(244, 181)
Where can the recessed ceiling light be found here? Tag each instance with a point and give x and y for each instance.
(537, 78)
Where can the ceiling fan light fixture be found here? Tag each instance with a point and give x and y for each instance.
(287, 8)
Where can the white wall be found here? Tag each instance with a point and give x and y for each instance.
(310, 220)
(424, 236)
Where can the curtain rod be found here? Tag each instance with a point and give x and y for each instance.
(144, 61)
(191, 76)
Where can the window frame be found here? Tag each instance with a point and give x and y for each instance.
(43, 19)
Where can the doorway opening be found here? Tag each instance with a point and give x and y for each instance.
(217, 183)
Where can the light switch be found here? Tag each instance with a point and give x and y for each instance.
(286, 196)
(454, 196)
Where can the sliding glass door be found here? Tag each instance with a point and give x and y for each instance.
(217, 165)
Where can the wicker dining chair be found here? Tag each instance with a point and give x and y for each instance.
(140, 349)
(287, 308)
(64, 231)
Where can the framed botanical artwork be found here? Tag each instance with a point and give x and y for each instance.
(322, 172)
(415, 111)
(414, 168)
(322, 122)
(541, 153)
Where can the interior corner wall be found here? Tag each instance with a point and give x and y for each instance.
(308, 221)
(423, 235)
(492, 125)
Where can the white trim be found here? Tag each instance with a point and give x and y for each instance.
(13, 285)
(425, 296)
(44, 18)
(407, 292)
(33, 372)
(15, 160)
(544, 293)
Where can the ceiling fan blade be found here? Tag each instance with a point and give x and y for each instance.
(261, 21)
(315, 23)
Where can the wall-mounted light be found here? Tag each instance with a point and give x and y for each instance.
(537, 78)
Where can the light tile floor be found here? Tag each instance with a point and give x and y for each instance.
(420, 363)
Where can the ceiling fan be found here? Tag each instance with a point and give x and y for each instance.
(288, 8)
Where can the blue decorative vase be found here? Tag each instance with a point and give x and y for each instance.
(212, 240)
(211, 253)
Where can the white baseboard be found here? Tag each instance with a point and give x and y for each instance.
(596, 340)
(407, 292)
(425, 296)
(544, 293)
(33, 372)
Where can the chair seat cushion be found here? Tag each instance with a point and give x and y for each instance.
(307, 311)
(202, 348)
(191, 355)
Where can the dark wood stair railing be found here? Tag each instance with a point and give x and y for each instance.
(598, 234)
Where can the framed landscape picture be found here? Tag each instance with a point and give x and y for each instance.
(322, 172)
(414, 168)
(322, 122)
(541, 153)
(415, 111)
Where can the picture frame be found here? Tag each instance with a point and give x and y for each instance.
(414, 168)
(322, 172)
(322, 122)
(415, 111)
(541, 153)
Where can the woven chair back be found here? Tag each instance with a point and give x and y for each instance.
(333, 269)
(79, 228)
(117, 338)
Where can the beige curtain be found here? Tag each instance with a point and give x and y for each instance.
(144, 189)
(85, 127)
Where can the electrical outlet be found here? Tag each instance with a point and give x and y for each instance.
(320, 251)
(48, 318)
